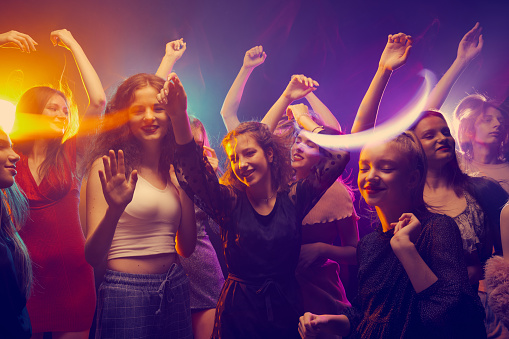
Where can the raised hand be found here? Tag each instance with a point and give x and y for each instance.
(299, 87)
(297, 111)
(408, 228)
(396, 51)
(254, 57)
(173, 96)
(210, 153)
(63, 38)
(471, 44)
(175, 49)
(14, 39)
(117, 189)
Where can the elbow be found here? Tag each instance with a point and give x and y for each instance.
(98, 104)
(186, 251)
(91, 256)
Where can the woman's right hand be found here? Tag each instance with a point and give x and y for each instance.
(117, 189)
(297, 111)
(175, 49)
(18, 40)
(254, 57)
(471, 44)
(173, 96)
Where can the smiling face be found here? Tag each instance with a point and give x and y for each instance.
(436, 140)
(385, 178)
(147, 117)
(305, 154)
(8, 159)
(250, 164)
(58, 113)
(490, 128)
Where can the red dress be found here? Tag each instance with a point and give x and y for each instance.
(63, 294)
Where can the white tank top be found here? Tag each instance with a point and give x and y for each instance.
(149, 223)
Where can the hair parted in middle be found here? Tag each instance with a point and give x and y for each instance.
(465, 116)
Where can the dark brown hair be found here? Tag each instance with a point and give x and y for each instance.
(280, 168)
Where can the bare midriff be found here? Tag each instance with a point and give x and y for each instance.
(149, 264)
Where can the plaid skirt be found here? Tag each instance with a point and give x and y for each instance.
(144, 305)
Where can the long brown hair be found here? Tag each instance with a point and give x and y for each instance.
(33, 101)
(455, 177)
(120, 136)
(280, 168)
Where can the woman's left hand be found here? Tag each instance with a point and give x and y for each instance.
(173, 96)
(408, 228)
(309, 253)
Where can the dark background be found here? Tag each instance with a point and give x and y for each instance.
(337, 43)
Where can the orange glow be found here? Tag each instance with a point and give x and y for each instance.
(37, 126)
(7, 112)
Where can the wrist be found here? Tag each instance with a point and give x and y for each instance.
(384, 69)
(401, 244)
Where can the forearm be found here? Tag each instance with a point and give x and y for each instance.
(91, 81)
(166, 66)
(323, 111)
(276, 112)
(419, 273)
(181, 128)
(368, 109)
(341, 254)
(186, 235)
(233, 97)
(98, 243)
(336, 324)
(439, 94)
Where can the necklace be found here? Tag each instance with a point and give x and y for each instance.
(266, 200)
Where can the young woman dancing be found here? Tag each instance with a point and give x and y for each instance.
(138, 218)
(413, 281)
(63, 297)
(260, 216)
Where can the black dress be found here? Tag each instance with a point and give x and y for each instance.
(387, 305)
(260, 298)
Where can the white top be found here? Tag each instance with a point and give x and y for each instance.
(149, 223)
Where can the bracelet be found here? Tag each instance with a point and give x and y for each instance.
(313, 131)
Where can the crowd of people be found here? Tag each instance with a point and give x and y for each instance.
(137, 262)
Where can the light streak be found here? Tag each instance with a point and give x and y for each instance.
(401, 122)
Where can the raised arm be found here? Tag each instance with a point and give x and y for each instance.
(469, 48)
(323, 111)
(394, 56)
(174, 51)
(298, 87)
(91, 81)
(14, 39)
(108, 194)
(194, 173)
(253, 58)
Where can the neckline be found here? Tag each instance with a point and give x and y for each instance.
(152, 186)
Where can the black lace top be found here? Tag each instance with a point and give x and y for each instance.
(387, 305)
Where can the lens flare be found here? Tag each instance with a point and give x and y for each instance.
(402, 121)
(7, 114)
